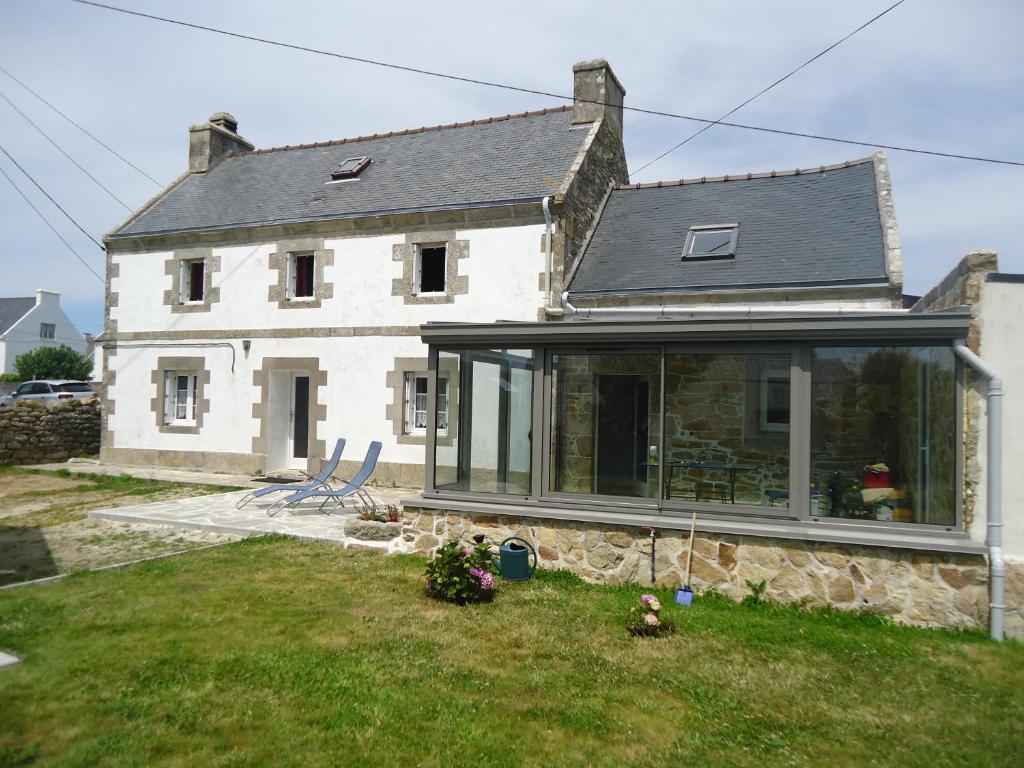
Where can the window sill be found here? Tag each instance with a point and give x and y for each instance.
(180, 429)
(830, 532)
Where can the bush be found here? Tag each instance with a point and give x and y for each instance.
(11, 377)
(645, 619)
(53, 363)
(387, 515)
(462, 576)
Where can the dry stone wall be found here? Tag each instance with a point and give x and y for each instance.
(32, 433)
(921, 588)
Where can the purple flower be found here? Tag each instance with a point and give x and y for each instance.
(486, 580)
(648, 599)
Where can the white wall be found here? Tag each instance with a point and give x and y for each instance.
(1001, 320)
(503, 268)
(23, 336)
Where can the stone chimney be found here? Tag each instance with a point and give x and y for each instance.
(594, 81)
(208, 142)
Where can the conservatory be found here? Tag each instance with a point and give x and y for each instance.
(821, 426)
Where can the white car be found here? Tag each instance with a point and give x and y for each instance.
(48, 391)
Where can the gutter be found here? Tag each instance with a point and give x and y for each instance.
(993, 486)
(734, 309)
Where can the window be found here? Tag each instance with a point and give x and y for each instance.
(711, 242)
(883, 434)
(484, 444)
(416, 404)
(431, 265)
(350, 168)
(47, 330)
(773, 415)
(180, 397)
(193, 276)
(301, 276)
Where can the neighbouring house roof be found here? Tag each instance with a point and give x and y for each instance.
(818, 226)
(12, 310)
(517, 158)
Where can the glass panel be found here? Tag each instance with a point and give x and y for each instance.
(483, 439)
(883, 434)
(713, 241)
(420, 403)
(181, 397)
(605, 423)
(727, 428)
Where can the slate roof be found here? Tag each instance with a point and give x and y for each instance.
(514, 158)
(12, 310)
(818, 226)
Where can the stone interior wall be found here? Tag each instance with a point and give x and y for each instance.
(920, 588)
(712, 413)
(33, 433)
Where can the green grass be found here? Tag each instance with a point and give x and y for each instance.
(276, 652)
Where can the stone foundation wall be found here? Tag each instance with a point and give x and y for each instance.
(33, 433)
(921, 588)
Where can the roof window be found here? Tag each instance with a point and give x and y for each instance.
(350, 168)
(711, 241)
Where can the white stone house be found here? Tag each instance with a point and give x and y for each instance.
(269, 301)
(28, 323)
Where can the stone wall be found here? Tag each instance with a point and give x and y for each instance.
(920, 588)
(32, 433)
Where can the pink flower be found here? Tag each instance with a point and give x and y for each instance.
(651, 620)
(486, 580)
(651, 602)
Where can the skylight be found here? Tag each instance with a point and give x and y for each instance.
(711, 241)
(350, 168)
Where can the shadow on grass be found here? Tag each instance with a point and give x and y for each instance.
(24, 554)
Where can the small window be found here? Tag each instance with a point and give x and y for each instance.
(193, 276)
(416, 403)
(431, 266)
(75, 386)
(180, 397)
(711, 242)
(774, 411)
(350, 168)
(40, 388)
(47, 330)
(24, 389)
(302, 276)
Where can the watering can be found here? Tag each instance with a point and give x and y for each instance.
(514, 559)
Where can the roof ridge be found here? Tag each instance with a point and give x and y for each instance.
(747, 176)
(407, 131)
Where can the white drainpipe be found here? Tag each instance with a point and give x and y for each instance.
(994, 487)
(734, 309)
(545, 203)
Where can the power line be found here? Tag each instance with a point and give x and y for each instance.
(50, 197)
(61, 150)
(52, 228)
(762, 92)
(563, 97)
(83, 130)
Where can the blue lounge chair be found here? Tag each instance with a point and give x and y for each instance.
(353, 487)
(320, 481)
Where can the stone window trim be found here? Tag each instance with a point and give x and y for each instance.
(454, 284)
(158, 377)
(173, 267)
(317, 410)
(322, 257)
(395, 410)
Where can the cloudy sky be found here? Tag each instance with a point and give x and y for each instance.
(935, 74)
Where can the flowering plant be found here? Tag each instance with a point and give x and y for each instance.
(645, 619)
(458, 575)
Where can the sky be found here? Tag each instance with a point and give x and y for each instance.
(934, 74)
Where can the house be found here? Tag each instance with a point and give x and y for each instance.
(28, 323)
(269, 301)
(736, 352)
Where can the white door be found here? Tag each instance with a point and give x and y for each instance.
(288, 416)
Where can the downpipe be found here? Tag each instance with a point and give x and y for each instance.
(994, 487)
(548, 262)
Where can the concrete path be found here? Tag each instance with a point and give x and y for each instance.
(217, 513)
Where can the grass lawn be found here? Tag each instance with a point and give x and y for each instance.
(277, 652)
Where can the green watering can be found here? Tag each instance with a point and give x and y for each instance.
(514, 559)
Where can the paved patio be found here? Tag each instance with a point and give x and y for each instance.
(217, 513)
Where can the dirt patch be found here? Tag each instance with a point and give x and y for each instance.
(44, 529)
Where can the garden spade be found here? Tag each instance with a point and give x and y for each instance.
(684, 595)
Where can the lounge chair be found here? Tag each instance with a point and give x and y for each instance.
(320, 481)
(353, 487)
